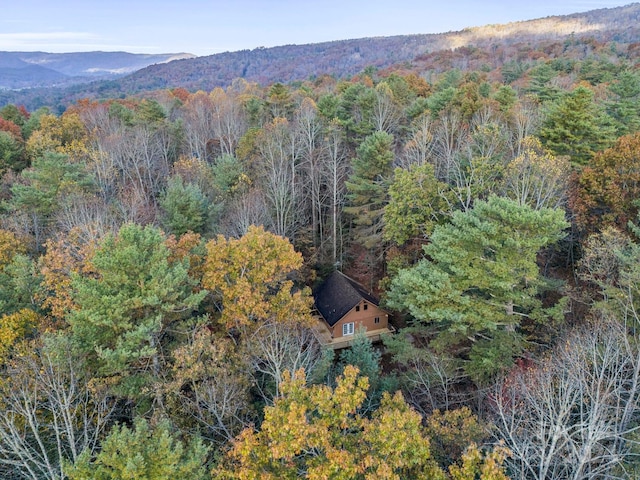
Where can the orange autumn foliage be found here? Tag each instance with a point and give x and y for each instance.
(12, 128)
(188, 246)
(63, 257)
(605, 191)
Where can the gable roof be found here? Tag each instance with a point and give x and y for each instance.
(338, 294)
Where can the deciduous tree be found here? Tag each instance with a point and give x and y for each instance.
(63, 257)
(278, 175)
(315, 432)
(249, 280)
(572, 415)
(335, 169)
(209, 387)
(49, 182)
(607, 187)
(419, 148)
(308, 130)
(49, 411)
(537, 177)
(417, 203)
(65, 135)
(14, 327)
(274, 350)
(431, 381)
(386, 110)
(199, 120)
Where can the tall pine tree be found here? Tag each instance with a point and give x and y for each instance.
(576, 126)
(126, 308)
(367, 188)
(479, 282)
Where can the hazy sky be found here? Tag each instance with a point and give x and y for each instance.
(205, 27)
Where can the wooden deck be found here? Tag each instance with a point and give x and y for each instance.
(324, 336)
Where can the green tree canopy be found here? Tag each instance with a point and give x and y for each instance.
(624, 107)
(12, 155)
(126, 307)
(142, 453)
(576, 126)
(49, 183)
(367, 188)
(479, 281)
(417, 202)
(185, 207)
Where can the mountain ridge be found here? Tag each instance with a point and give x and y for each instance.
(74, 67)
(344, 58)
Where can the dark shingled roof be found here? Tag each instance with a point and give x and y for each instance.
(337, 295)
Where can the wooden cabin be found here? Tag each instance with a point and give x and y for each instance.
(344, 306)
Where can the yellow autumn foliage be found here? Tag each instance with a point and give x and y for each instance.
(13, 328)
(249, 279)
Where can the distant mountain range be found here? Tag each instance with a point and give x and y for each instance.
(294, 62)
(20, 70)
(348, 57)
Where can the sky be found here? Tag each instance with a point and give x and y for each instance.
(205, 27)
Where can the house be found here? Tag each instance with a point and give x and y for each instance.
(344, 306)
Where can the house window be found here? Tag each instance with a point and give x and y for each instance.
(357, 308)
(366, 306)
(348, 329)
(376, 320)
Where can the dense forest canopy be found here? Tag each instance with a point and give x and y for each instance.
(158, 253)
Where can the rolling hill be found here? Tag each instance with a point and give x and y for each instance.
(344, 58)
(348, 57)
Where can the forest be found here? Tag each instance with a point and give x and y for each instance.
(158, 255)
